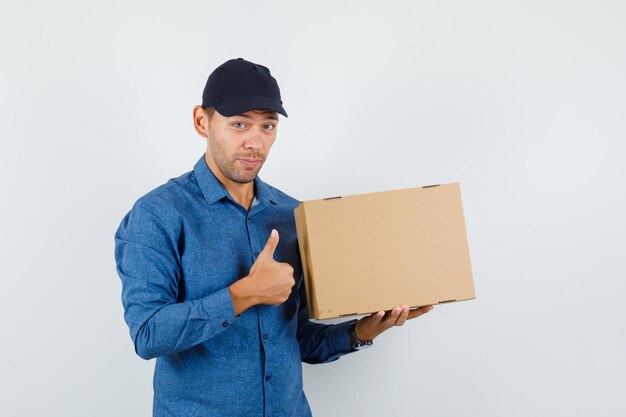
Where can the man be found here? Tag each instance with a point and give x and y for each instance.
(211, 273)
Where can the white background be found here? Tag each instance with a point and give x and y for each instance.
(522, 102)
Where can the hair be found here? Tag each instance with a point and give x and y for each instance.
(209, 111)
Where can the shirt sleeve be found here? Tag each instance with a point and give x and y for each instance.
(148, 263)
(321, 343)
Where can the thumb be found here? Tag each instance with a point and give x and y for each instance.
(270, 246)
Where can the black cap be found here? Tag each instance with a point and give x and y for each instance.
(238, 86)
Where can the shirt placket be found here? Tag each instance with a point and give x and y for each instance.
(256, 246)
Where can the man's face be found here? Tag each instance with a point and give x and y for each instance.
(240, 144)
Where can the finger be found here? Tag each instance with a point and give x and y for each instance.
(285, 295)
(418, 312)
(270, 246)
(403, 315)
(370, 326)
(391, 317)
(375, 318)
(282, 297)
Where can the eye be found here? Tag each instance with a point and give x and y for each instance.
(269, 126)
(239, 125)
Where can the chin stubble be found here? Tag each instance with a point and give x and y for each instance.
(227, 167)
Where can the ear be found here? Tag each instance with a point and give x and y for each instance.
(200, 121)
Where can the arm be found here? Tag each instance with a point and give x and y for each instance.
(321, 343)
(148, 263)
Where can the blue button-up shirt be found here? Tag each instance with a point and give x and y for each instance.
(177, 251)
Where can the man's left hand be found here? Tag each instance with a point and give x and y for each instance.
(371, 326)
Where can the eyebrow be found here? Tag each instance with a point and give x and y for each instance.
(269, 116)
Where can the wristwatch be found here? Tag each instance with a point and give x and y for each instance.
(357, 343)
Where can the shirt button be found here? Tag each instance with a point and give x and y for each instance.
(267, 378)
(225, 324)
(264, 336)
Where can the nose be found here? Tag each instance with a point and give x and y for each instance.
(254, 139)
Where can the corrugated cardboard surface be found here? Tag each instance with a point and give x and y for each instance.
(370, 252)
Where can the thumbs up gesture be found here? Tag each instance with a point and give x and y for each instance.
(268, 282)
(273, 280)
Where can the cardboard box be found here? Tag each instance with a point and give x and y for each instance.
(370, 252)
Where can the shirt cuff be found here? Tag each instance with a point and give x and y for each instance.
(219, 310)
(337, 338)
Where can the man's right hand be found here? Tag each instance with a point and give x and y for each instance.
(268, 282)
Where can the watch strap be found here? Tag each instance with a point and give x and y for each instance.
(355, 342)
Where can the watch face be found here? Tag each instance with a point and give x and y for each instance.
(364, 344)
(355, 341)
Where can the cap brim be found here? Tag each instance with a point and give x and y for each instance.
(234, 107)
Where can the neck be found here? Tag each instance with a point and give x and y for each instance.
(241, 193)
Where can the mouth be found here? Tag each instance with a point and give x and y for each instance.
(250, 163)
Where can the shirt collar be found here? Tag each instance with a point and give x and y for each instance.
(213, 190)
